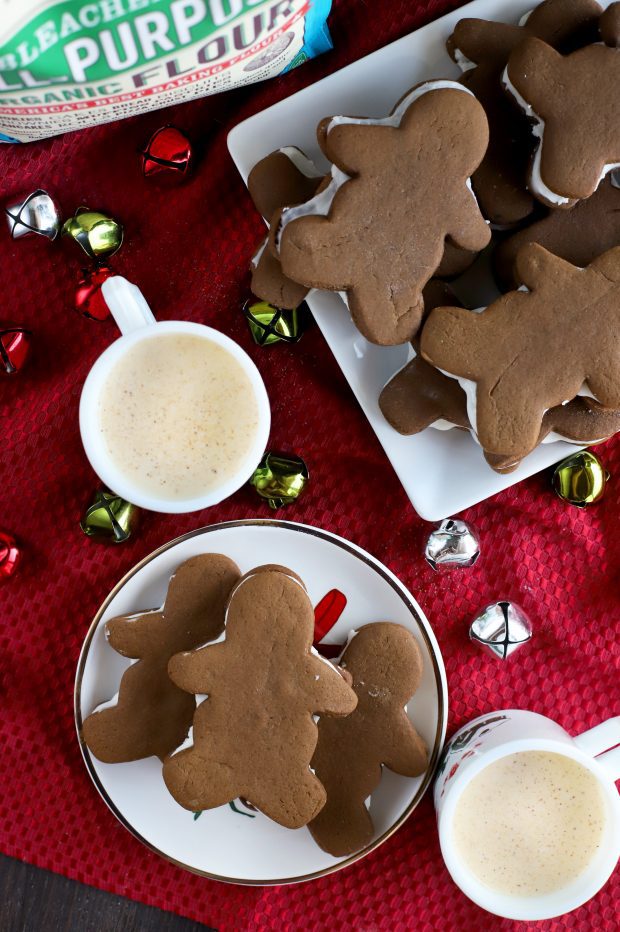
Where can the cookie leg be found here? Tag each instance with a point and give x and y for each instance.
(342, 826)
(384, 316)
(198, 782)
(111, 737)
(291, 800)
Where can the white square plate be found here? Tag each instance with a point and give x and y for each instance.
(442, 472)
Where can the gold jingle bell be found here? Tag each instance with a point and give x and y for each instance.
(280, 479)
(269, 324)
(580, 479)
(97, 234)
(109, 518)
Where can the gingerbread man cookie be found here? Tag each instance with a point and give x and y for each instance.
(254, 735)
(420, 396)
(377, 232)
(482, 49)
(150, 715)
(573, 100)
(533, 349)
(386, 665)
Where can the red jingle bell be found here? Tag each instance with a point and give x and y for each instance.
(88, 297)
(168, 151)
(14, 348)
(10, 555)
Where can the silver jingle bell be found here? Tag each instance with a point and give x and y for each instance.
(452, 544)
(501, 628)
(38, 213)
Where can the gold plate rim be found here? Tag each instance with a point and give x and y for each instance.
(403, 593)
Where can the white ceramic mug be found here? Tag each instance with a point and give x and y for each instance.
(510, 731)
(136, 322)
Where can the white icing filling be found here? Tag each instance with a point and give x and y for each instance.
(537, 184)
(108, 704)
(525, 17)
(399, 111)
(324, 659)
(188, 743)
(301, 161)
(321, 203)
(256, 258)
(464, 63)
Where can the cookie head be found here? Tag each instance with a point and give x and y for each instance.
(384, 659)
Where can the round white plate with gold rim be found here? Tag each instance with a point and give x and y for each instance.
(236, 843)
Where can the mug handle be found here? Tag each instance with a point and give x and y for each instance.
(603, 742)
(127, 304)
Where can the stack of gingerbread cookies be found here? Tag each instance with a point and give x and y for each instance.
(227, 690)
(520, 156)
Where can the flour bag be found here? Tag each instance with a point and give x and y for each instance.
(70, 64)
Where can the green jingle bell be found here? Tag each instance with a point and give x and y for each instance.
(97, 234)
(580, 479)
(269, 324)
(109, 518)
(280, 479)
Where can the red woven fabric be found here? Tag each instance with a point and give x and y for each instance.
(188, 249)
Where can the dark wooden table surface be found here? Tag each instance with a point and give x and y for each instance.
(34, 900)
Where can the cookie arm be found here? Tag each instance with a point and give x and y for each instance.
(534, 266)
(269, 283)
(532, 69)
(327, 689)
(484, 42)
(405, 752)
(130, 635)
(449, 340)
(353, 147)
(470, 230)
(195, 671)
(313, 251)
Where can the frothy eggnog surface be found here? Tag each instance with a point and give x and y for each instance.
(178, 415)
(529, 823)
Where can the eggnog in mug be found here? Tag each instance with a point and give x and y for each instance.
(178, 415)
(530, 823)
(174, 415)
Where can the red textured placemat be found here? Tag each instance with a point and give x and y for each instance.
(188, 250)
